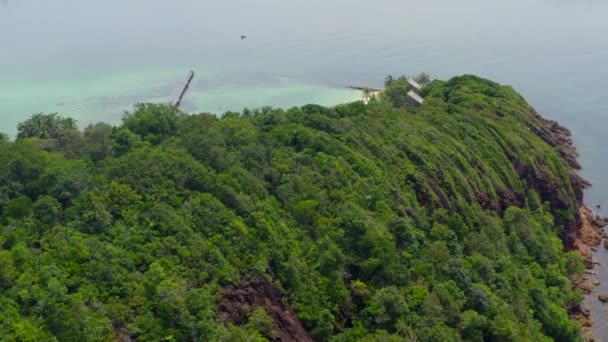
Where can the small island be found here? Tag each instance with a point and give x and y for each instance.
(461, 218)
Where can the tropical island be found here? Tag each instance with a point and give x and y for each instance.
(461, 219)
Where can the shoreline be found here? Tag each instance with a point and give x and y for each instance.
(591, 234)
(367, 93)
(588, 233)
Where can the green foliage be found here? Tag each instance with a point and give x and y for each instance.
(395, 91)
(261, 322)
(47, 210)
(423, 79)
(46, 126)
(304, 211)
(154, 123)
(18, 208)
(98, 143)
(123, 141)
(378, 222)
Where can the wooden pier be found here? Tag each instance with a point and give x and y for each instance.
(185, 88)
(371, 90)
(368, 93)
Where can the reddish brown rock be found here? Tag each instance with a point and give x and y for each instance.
(588, 236)
(239, 301)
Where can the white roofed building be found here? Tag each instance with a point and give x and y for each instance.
(414, 85)
(414, 99)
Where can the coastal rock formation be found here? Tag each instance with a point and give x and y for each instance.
(584, 233)
(558, 136)
(561, 138)
(589, 234)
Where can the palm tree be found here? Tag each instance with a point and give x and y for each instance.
(423, 79)
(45, 126)
(33, 127)
(367, 95)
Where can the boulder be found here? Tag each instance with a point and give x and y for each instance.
(606, 244)
(601, 221)
(603, 298)
(585, 287)
(595, 282)
(585, 311)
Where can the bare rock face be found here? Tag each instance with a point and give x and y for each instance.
(560, 137)
(239, 301)
(588, 235)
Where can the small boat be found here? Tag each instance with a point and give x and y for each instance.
(243, 37)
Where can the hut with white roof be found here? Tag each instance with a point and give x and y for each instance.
(414, 85)
(414, 99)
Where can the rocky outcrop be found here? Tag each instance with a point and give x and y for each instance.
(589, 235)
(561, 138)
(558, 136)
(239, 301)
(584, 231)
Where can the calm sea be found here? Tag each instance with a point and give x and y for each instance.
(93, 59)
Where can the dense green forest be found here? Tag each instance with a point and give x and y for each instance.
(372, 222)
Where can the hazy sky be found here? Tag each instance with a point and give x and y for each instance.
(104, 32)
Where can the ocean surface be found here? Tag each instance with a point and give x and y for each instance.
(93, 59)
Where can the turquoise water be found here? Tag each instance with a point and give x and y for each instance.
(105, 96)
(94, 59)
